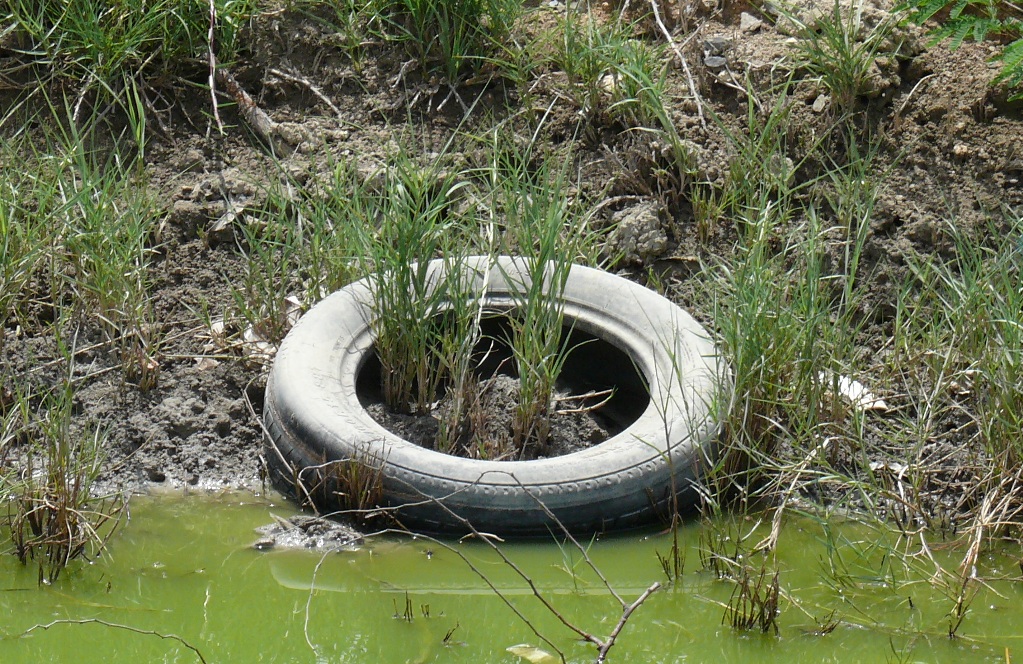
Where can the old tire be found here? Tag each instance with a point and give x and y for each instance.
(313, 416)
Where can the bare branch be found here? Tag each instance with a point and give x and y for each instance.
(626, 614)
(129, 628)
(682, 59)
(213, 67)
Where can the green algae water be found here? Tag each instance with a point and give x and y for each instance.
(181, 582)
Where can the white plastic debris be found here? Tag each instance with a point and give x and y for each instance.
(292, 309)
(532, 654)
(856, 393)
(256, 346)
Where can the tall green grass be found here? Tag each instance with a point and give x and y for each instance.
(842, 50)
(548, 232)
(788, 314)
(115, 52)
(454, 38)
(52, 515)
(971, 307)
(413, 223)
(24, 238)
(78, 229)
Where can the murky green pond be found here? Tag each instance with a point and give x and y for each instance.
(184, 568)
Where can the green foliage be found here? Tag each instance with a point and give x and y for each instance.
(611, 73)
(842, 52)
(454, 37)
(109, 51)
(23, 240)
(52, 516)
(959, 20)
(543, 229)
(974, 305)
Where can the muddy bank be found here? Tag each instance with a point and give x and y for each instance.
(949, 149)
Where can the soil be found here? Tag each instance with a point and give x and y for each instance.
(574, 425)
(951, 148)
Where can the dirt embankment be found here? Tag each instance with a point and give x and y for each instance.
(950, 149)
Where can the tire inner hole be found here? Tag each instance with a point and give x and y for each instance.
(598, 380)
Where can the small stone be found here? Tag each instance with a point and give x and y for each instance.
(638, 236)
(609, 83)
(961, 150)
(715, 62)
(749, 23)
(184, 211)
(821, 103)
(716, 45)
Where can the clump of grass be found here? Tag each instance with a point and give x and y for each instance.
(301, 244)
(542, 231)
(973, 305)
(273, 255)
(78, 224)
(842, 51)
(620, 81)
(454, 38)
(414, 222)
(611, 73)
(354, 486)
(754, 600)
(673, 564)
(113, 52)
(463, 420)
(52, 516)
(761, 175)
(24, 239)
(787, 313)
(109, 224)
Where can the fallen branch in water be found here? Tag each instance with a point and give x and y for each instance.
(603, 645)
(129, 628)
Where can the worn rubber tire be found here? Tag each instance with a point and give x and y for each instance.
(313, 415)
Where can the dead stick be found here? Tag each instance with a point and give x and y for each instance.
(681, 59)
(146, 632)
(257, 118)
(213, 67)
(610, 641)
(294, 78)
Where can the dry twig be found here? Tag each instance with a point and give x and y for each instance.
(306, 83)
(682, 59)
(129, 628)
(257, 118)
(213, 67)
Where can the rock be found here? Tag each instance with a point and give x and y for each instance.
(189, 212)
(782, 168)
(178, 416)
(236, 184)
(821, 103)
(749, 23)
(716, 45)
(609, 83)
(638, 236)
(306, 532)
(715, 62)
